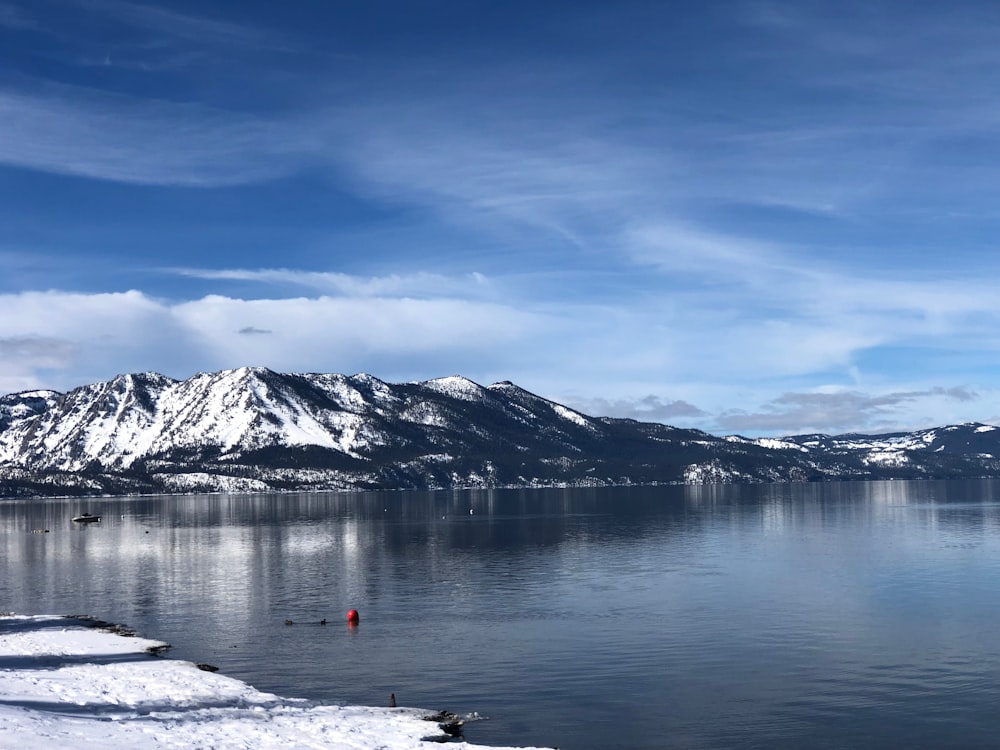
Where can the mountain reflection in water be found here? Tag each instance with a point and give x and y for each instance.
(854, 615)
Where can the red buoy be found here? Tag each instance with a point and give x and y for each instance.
(353, 617)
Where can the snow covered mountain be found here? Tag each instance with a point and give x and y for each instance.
(253, 429)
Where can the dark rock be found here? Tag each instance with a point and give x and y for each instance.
(451, 724)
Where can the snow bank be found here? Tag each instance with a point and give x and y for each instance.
(65, 683)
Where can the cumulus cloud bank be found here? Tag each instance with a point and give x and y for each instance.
(138, 332)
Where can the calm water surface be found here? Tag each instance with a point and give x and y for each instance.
(856, 615)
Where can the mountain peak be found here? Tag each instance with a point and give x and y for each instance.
(455, 386)
(253, 428)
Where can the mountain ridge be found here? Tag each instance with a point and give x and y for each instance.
(252, 429)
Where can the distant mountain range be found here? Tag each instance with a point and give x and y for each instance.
(255, 430)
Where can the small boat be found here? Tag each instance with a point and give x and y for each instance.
(86, 518)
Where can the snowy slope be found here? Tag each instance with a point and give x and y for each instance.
(136, 416)
(67, 684)
(281, 429)
(252, 429)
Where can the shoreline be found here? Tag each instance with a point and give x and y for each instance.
(77, 681)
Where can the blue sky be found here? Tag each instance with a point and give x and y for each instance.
(754, 217)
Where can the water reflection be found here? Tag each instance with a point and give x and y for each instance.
(721, 616)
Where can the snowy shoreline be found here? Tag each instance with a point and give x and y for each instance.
(65, 682)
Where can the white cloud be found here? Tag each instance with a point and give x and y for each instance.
(22, 356)
(60, 340)
(844, 410)
(637, 360)
(325, 331)
(99, 335)
(650, 408)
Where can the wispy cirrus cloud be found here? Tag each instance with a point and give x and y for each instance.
(778, 284)
(14, 17)
(161, 21)
(145, 37)
(420, 284)
(106, 137)
(814, 200)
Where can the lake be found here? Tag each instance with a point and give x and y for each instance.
(847, 615)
